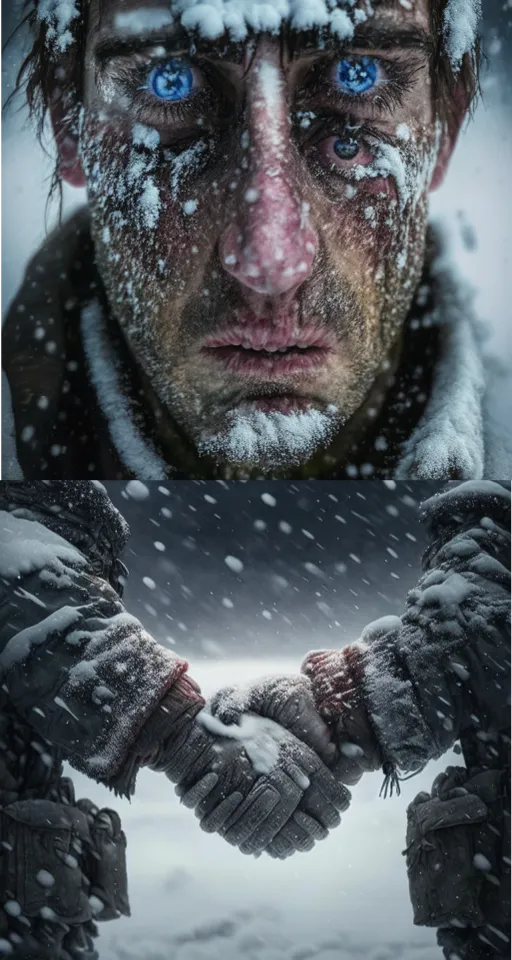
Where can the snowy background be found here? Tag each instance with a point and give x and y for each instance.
(319, 561)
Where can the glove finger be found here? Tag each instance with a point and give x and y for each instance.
(332, 790)
(254, 811)
(190, 797)
(281, 847)
(215, 821)
(295, 771)
(289, 796)
(310, 825)
(315, 805)
(296, 838)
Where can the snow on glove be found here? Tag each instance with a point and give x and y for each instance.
(288, 700)
(263, 789)
(336, 682)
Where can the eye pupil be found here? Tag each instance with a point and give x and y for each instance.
(356, 76)
(171, 80)
(346, 149)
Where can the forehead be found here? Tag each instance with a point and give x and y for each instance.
(239, 18)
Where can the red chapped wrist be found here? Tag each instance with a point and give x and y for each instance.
(336, 678)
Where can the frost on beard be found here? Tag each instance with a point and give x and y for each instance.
(58, 16)
(252, 435)
(461, 19)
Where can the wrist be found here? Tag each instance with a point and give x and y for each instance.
(337, 684)
(336, 680)
(175, 712)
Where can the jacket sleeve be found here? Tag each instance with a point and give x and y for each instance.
(443, 667)
(76, 666)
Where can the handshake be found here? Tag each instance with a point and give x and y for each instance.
(257, 764)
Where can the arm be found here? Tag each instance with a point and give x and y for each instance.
(75, 665)
(413, 685)
(88, 678)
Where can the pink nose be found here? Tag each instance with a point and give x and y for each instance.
(270, 247)
(269, 244)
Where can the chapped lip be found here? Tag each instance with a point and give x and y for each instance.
(264, 336)
(263, 349)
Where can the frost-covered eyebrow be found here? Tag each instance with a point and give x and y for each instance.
(115, 44)
(367, 36)
(371, 35)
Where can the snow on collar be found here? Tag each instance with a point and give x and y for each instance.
(448, 442)
(135, 451)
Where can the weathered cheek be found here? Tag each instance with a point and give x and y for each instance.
(137, 218)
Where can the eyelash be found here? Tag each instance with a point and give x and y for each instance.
(387, 95)
(131, 80)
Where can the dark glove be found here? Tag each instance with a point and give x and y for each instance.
(289, 702)
(215, 776)
(261, 788)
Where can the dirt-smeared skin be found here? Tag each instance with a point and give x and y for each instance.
(279, 229)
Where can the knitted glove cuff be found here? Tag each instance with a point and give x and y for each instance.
(337, 682)
(168, 724)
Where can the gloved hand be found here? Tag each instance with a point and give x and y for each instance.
(289, 806)
(324, 709)
(287, 700)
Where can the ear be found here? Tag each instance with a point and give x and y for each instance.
(66, 140)
(449, 136)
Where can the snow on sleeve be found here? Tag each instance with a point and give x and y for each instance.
(461, 19)
(58, 15)
(27, 546)
(20, 645)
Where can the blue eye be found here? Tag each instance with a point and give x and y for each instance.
(171, 81)
(356, 76)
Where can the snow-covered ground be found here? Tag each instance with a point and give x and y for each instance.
(193, 897)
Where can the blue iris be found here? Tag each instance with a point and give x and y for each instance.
(356, 76)
(171, 81)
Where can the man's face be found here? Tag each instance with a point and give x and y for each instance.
(259, 208)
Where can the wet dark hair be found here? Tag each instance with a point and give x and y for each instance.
(40, 73)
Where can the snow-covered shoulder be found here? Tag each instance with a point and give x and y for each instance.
(26, 546)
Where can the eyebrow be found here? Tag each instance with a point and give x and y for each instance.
(369, 36)
(376, 36)
(116, 44)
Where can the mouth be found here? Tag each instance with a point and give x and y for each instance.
(260, 350)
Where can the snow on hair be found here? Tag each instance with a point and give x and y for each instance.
(461, 20)
(58, 16)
